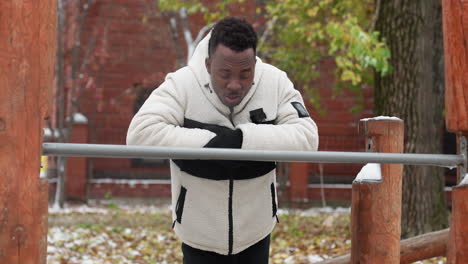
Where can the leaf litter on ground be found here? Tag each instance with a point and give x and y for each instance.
(143, 234)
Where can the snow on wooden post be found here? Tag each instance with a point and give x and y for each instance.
(376, 200)
(27, 58)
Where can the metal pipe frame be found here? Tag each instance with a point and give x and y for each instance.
(151, 152)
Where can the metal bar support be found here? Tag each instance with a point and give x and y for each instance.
(151, 152)
(463, 151)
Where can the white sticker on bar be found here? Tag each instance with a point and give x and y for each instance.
(370, 172)
(381, 118)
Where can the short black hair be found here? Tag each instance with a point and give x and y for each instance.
(234, 33)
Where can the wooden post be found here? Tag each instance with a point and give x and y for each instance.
(298, 180)
(455, 15)
(77, 167)
(27, 59)
(458, 245)
(376, 206)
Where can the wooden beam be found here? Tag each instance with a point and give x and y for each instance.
(422, 247)
(426, 246)
(27, 58)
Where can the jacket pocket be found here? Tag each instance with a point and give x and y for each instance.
(273, 200)
(180, 204)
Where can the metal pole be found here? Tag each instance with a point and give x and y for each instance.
(151, 152)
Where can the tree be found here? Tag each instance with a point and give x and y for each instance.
(414, 92)
(296, 34)
(79, 64)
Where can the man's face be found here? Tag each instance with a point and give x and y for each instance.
(232, 73)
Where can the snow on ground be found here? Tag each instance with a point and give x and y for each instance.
(141, 234)
(316, 211)
(79, 209)
(105, 208)
(166, 208)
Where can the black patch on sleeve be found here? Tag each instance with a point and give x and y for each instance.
(301, 110)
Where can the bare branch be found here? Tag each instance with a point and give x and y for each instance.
(175, 39)
(202, 32)
(89, 49)
(186, 28)
(187, 33)
(266, 33)
(376, 15)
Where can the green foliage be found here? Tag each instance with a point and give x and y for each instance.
(307, 31)
(303, 32)
(211, 13)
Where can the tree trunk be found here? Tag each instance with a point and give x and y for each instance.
(414, 92)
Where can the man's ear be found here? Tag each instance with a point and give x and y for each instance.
(208, 65)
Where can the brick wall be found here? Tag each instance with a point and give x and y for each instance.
(338, 126)
(137, 51)
(132, 54)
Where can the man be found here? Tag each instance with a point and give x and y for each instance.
(225, 98)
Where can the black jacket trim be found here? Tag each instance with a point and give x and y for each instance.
(271, 122)
(231, 221)
(180, 204)
(273, 200)
(223, 169)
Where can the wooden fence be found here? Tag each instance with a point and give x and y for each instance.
(27, 56)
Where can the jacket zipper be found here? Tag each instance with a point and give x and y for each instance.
(231, 189)
(230, 116)
(231, 231)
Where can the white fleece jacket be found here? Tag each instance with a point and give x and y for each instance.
(231, 213)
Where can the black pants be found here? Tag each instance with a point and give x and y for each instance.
(256, 254)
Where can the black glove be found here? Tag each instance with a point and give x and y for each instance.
(236, 169)
(223, 169)
(225, 138)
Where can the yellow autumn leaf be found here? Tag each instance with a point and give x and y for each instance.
(347, 75)
(312, 11)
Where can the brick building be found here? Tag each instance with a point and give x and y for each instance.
(132, 49)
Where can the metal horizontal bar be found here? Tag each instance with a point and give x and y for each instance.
(146, 152)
